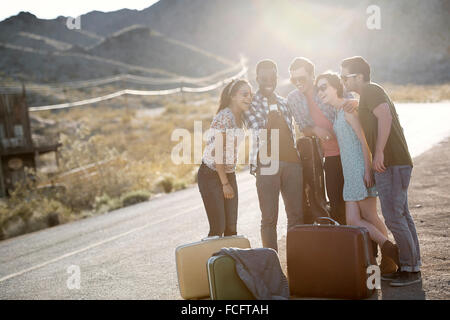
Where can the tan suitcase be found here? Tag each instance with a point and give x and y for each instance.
(191, 260)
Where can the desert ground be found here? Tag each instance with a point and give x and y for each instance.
(429, 203)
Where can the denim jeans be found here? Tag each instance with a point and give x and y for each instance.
(222, 213)
(392, 186)
(289, 181)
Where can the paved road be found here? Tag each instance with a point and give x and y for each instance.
(129, 253)
(125, 254)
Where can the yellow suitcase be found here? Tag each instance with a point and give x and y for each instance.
(191, 260)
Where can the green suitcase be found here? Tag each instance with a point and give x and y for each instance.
(224, 282)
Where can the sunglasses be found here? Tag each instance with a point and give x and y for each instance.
(345, 77)
(301, 80)
(322, 87)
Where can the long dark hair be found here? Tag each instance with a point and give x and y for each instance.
(229, 91)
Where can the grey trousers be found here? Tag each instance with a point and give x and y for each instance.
(392, 186)
(289, 181)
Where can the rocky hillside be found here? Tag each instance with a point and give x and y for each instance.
(150, 49)
(195, 37)
(412, 46)
(46, 51)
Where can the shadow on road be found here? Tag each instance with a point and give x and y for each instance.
(412, 292)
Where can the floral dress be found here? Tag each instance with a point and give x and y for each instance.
(352, 158)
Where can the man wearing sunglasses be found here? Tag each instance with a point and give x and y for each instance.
(392, 164)
(315, 118)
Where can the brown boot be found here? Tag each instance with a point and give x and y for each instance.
(387, 265)
(390, 250)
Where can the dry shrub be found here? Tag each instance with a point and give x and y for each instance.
(105, 203)
(134, 197)
(30, 209)
(109, 158)
(418, 93)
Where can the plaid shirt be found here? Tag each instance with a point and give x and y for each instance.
(256, 119)
(298, 106)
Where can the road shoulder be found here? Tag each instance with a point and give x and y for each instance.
(429, 203)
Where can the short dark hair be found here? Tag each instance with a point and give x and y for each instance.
(302, 62)
(357, 65)
(334, 81)
(266, 64)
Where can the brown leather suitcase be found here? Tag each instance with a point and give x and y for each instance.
(329, 261)
(315, 203)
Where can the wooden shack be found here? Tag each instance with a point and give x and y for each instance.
(17, 148)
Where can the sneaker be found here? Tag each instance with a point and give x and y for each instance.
(390, 276)
(406, 279)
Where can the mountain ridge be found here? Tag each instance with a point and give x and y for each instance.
(411, 47)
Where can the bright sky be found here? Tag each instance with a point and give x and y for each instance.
(50, 9)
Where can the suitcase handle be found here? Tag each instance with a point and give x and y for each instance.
(328, 219)
(210, 238)
(220, 237)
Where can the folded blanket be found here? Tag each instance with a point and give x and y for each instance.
(261, 272)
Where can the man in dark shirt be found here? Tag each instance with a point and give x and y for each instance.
(392, 165)
(269, 112)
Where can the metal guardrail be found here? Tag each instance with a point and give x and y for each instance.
(139, 92)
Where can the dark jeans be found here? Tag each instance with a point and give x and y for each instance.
(221, 212)
(334, 182)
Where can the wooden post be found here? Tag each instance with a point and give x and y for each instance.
(2, 183)
(26, 122)
(183, 97)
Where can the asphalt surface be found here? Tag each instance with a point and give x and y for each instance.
(130, 253)
(125, 254)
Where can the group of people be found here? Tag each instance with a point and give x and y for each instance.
(364, 148)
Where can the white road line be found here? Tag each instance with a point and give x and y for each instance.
(95, 245)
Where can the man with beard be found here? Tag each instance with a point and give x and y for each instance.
(269, 111)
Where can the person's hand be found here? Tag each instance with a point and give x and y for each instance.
(322, 134)
(350, 105)
(378, 162)
(228, 191)
(368, 177)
